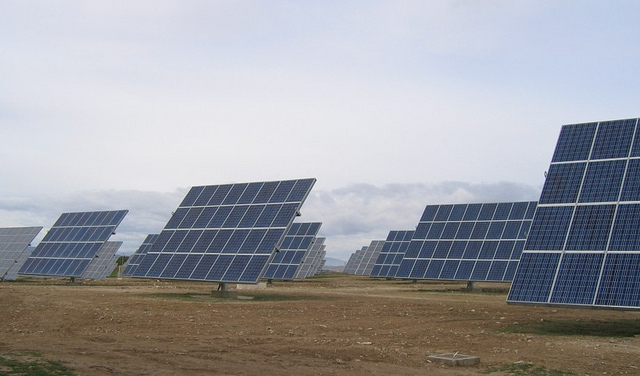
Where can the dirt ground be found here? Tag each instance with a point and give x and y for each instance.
(326, 325)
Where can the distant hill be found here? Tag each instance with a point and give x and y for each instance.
(330, 261)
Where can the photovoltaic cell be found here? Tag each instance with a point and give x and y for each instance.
(71, 243)
(294, 247)
(393, 250)
(12, 273)
(368, 257)
(135, 259)
(584, 243)
(313, 259)
(468, 242)
(354, 260)
(103, 263)
(13, 243)
(225, 233)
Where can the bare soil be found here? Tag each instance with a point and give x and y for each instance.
(326, 325)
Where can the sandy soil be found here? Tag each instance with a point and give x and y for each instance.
(330, 325)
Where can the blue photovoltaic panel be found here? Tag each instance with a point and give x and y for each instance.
(294, 247)
(103, 263)
(13, 243)
(392, 253)
(468, 242)
(72, 242)
(583, 248)
(132, 263)
(225, 233)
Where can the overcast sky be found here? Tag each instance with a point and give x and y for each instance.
(391, 105)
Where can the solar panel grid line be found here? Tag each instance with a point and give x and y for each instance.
(600, 231)
(225, 233)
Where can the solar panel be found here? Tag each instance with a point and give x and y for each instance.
(468, 242)
(369, 257)
(12, 273)
(311, 260)
(103, 263)
(318, 262)
(355, 260)
(296, 244)
(72, 242)
(135, 259)
(321, 264)
(391, 254)
(584, 245)
(225, 233)
(13, 242)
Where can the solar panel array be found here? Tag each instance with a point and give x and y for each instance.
(13, 243)
(12, 273)
(311, 263)
(103, 263)
(68, 248)
(369, 258)
(392, 254)
(468, 242)
(354, 260)
(225, 233)
(583, 248)
(132, 263)
(296, 244)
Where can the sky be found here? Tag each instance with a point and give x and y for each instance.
(390, 105)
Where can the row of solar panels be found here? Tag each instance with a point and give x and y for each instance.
(16, 251)
(300, 255)
(463, 242)
(578, 245)
(222, 233)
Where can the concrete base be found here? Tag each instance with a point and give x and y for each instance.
(456, 359)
